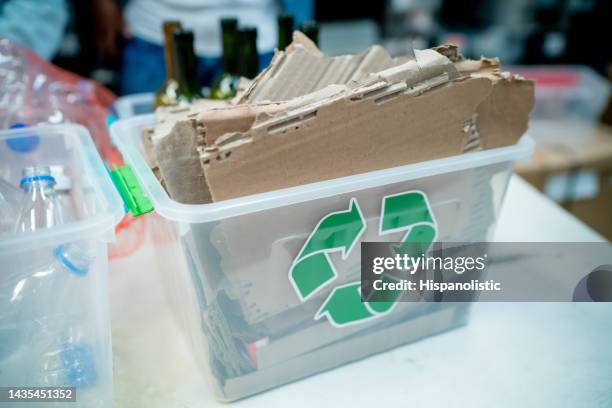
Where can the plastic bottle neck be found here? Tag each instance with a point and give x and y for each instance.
(43, 183)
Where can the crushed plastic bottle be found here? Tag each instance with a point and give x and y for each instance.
(45, 339)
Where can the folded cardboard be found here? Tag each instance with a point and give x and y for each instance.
(174, 159)
(308, 118)
(303, 69)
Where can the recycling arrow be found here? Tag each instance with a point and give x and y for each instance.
(417, 241)
(409, 211)
(338, 231)
(403, 210)
(344, 307)
(382, 301)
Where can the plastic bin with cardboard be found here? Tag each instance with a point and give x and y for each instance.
(250, 328)
(54, 312)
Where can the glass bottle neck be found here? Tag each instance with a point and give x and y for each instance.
(285, 31)
(230, 60)
(186, 70)
(250, 58)
(168, 29)
(311, 30)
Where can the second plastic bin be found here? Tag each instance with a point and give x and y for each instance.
(250, 328)
(136, 104)
(54, 312)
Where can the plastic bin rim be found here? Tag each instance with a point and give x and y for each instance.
(104, 189)
(123, 135)
(123, 105)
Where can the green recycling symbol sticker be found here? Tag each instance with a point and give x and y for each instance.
(340, 231)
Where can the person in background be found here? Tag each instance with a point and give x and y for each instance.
(36, 24)
(139, 24)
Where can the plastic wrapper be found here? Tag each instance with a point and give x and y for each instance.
(33, 91)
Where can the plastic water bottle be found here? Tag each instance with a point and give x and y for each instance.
(47, 339)
(50, 337)
(66, 358)
(40, 207)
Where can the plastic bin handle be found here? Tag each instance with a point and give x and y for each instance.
(129, 188)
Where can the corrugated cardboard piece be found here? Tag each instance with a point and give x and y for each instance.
(309, 117)
(303, 69)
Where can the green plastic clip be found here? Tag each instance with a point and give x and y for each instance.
(131, 192)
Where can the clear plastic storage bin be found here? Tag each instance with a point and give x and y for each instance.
(250, 328)
(569, 99)
(132, 105)
(54, 312)
(566, 91)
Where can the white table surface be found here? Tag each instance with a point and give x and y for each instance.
(510, 355)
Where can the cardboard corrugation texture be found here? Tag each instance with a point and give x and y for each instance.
(408, 112)
(303, 69)
(171, 149)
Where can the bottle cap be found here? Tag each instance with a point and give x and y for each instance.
(311, 29)
(171, 23)
(249, 31)
(31, 174)
(181, 35)
(169, 27)
(229, 23)
(74, 258)
(23, 143)
(285, 18)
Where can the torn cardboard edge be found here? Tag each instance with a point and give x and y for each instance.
(303, 69)
(217, 150)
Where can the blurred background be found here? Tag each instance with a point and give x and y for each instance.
(561, 44)
(518, 31)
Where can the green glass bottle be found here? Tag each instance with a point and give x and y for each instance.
(167, 93)
(186, 67)
(285, 30)
(225, 86)
(311, 29)
(248, 61)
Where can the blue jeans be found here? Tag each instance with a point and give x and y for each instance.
(143, 69)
